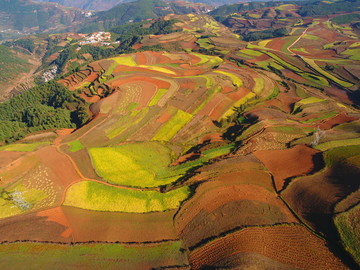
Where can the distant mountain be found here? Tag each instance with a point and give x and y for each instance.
(101, 5)
(308, 8)
(19, 17)
(97, 5)
(141, 10)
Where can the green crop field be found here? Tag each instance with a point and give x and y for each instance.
(206, 59)
(312, 63)
(133, 164)
(157, 96)
(75, 146)
(173, 126)
(89, 256)
(307, 101)
(99, 197)
(236, 81)
(336, 155)
(125, 60)
(238, 103)
(353, 53)
(259, 85)
(348, 226)
(19, 199)
(339, 143)
(252, 52)
(283, 62)
(322, 117)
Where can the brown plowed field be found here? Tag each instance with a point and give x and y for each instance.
(83, 161)
(222, 219)
(123, 227)
(337, 120)
(295, 161)
(248, 260)
(290, 245)
(48, 225)
(214, 195)
(313, 197)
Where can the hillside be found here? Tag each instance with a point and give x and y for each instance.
(21, 17)
(140, 10)
(185, 147)
(14, 68)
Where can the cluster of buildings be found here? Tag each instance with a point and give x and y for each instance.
(50, 74)
(103, 38)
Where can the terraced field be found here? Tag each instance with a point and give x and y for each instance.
(248, 159)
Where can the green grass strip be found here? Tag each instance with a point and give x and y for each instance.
(333, 144)
(173, 126)
(312, 63)
(89, 255)
(159, 94)
(336, 155)
(348, 226)
(236, 81)
(259, 85)
(324, 116)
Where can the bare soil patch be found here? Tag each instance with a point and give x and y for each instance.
(283, 164)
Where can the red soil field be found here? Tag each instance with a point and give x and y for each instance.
(212, 195)
(140, 59)
(123, 227)
(164, 117)
(57, 215)
(48, 226)
(59, 164)
(8, 157)
(148, 91)
(157, 81)
(239, 94)
(337, 120)
(295, 161)
(291, 245)
(313, 197)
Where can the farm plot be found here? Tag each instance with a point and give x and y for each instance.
(89, 225)
(348, 226)
(99, 197)
(92, 256)
(173, 126)
(319, 193)
(299, 248)
(299, 160)
(210, 211)
(133, 164)
(23, 147)
(48, 225)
